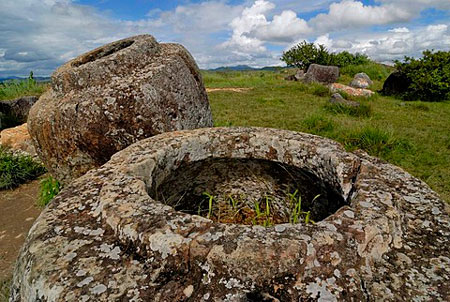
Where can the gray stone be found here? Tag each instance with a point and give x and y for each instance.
(16, 109)
(396, 83)
(361, 80)
(336, 98)
(113, 96)
(321, 74)
(298, 76)
(376, 253)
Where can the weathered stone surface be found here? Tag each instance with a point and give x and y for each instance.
(336, 98)
(113, 96)
(361, 80)
(322, 74)
(395, 84)
(16, 109)
(104, 238)
(18, 138)
(337, 87)
(298, 76)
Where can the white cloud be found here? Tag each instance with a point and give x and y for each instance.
(396, 43)
(252, 29)
(350, 13)
(399, 30)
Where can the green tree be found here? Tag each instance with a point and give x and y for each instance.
(429, 76)
(304, 54)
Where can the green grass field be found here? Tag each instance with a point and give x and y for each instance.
(412, 135)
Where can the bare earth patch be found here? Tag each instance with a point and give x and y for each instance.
(232, 89)
(18, 212)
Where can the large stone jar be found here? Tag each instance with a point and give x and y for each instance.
(129, 231)
(113, 96)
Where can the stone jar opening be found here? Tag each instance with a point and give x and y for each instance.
(248, 191)
(103, 52)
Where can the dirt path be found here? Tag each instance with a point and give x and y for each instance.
(232, 89)
(18, 211)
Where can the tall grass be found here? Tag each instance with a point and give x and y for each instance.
(16, 169)
(49, 188)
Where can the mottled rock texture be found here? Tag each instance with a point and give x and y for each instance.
(337, 87)
(113, 96)
(322, 74)
(18, 138)
(103, 238)
(361, 80)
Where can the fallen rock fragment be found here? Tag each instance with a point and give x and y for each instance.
(336, 98)
(337, 87)
(18, 138)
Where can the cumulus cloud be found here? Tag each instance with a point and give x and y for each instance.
(350, 13)
(396, 43)
(41, 35)
(252, 29)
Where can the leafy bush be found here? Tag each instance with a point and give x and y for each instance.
(17, 169)
(50, 187)
(304, 54)
(374, 70)
(345, 58)
(429, 76)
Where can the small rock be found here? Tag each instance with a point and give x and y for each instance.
(336, 87)
(17, 108)
(18, 139)
(361, 80)
(300, 75)
(336, 98)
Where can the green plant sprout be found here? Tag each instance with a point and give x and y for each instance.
(234, 209)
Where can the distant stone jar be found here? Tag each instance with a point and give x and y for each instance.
(129, 230)
(113, 96)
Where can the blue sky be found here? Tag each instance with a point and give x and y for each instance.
(40, 35)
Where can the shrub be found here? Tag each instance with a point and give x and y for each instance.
(363, 110)
(374, 141)
(50, 187)
(374, 70)
(345, 58)
(429, 76)
(17, 169)
(318, 124)
(304, 54)
(319, 90)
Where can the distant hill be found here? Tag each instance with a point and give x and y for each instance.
(13, 78)
(244, 68)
